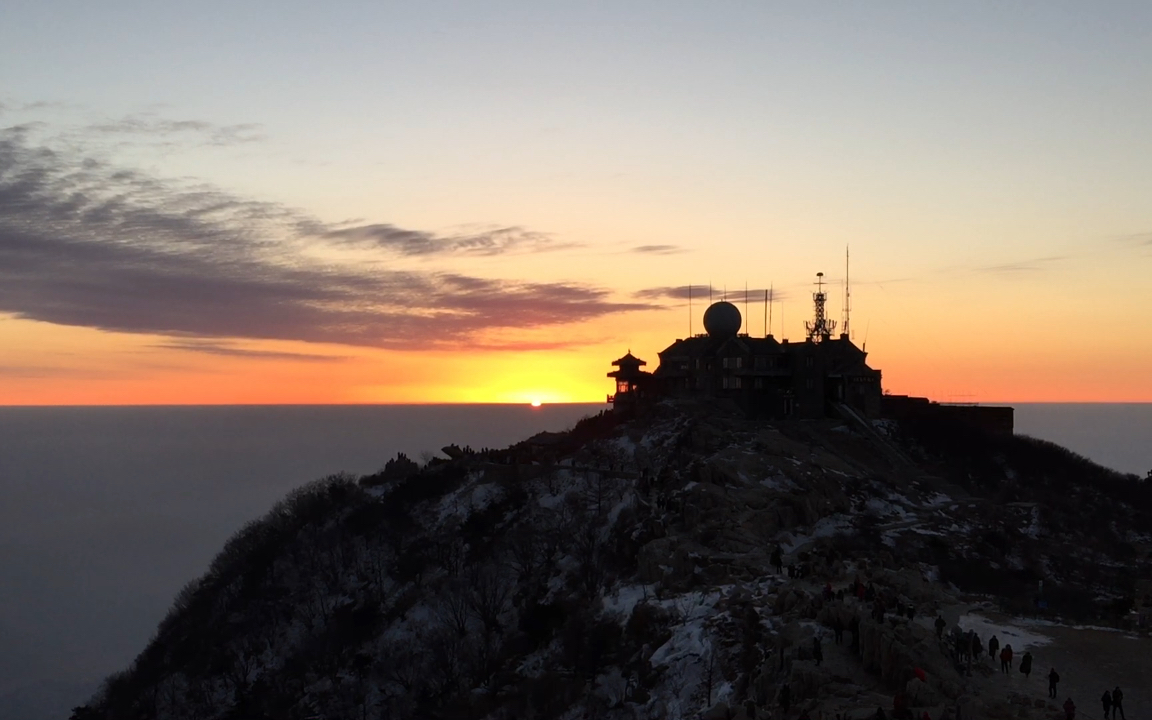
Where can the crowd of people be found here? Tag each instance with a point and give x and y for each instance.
(965, 648)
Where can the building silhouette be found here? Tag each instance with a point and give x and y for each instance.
(822, 376)
(765, 377)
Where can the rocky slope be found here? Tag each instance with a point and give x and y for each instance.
(624, 570)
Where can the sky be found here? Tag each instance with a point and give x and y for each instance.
(365, 202)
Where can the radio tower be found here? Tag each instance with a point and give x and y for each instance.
(847, 297)
(821, 328)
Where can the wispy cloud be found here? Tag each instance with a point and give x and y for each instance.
(198, 131)
(485, 241)
(229, 350)
(88, 244)
(1031, 265)
(701, 292)
(658, 249)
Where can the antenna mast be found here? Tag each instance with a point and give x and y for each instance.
(689, 309)
(847, 296)
(746, 302)
(765, 313)
(821, 327)
(771, 302)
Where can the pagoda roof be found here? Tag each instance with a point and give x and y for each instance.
(629, 359)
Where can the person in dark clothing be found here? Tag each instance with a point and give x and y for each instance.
(880, 714)
(1118, 703)
(838, 630)
(1026, 665)
(977, 646)
(1106, 702)
(911, 611)
(1053, 678)
(993, 646)
(777, 560)
(941, 623)
(786, 697)
(817, 651)
(1069, 709)
(1006, 659)
(854, 626)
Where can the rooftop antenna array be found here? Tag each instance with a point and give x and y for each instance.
(765, 313)
(746, 304)
(770, 300)
(847, 296)
(821, 327)
(689, 309)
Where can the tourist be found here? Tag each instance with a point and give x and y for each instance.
(838, 629)
(1053, 678)
(977, 646)
(993, 646)
(777, 560)
(941, 623)
(817, 651)
(1118, 703)
(1006, 659)
(1069, 709)
(1026, 665)
(1106, 701)
(785, 697)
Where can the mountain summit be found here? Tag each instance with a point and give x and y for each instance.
(685, 562)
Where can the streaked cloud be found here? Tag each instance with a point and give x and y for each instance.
(84, 243)
(658, 249)
(701, 292)
(1030, 265)
(231, 350)
(485, 241)
(198, 131)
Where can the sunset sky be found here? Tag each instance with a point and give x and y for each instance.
(362, 202)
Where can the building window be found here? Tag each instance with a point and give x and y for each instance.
(758, 383)
(809, 361)
(809, 383)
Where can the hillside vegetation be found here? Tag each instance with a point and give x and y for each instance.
(625, 570)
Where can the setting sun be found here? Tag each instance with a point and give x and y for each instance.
(536, 403)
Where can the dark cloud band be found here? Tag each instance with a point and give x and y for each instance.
(86, 244)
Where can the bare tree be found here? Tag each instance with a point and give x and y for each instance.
(488, 596)
(453, 607)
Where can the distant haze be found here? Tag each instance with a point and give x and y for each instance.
(105, 513)
(1112, 434)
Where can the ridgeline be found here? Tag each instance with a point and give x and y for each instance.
(626, 569)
